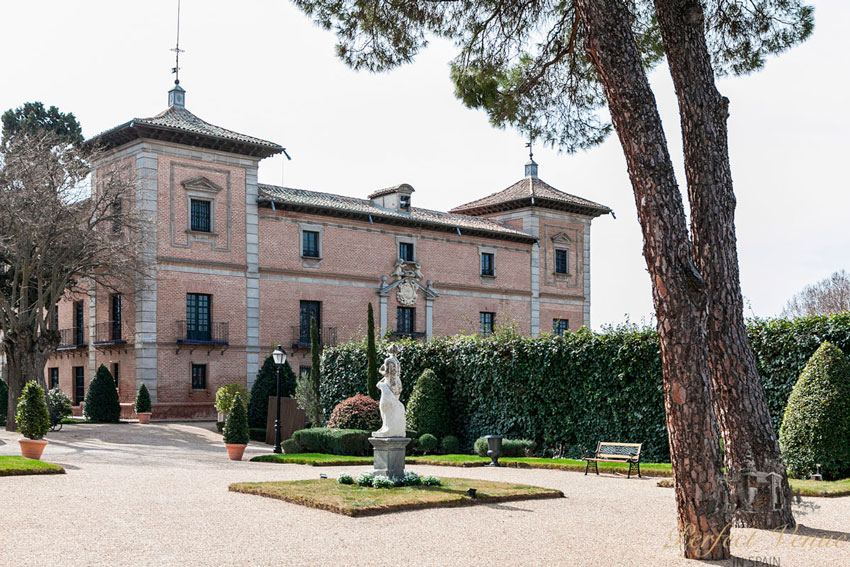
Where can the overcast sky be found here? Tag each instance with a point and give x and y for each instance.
(262, 68)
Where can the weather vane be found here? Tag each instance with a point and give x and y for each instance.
(530, 151)
(177, 51)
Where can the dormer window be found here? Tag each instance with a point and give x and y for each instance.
(200, 215)
(404, 202)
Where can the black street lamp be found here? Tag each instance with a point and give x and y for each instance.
(279, 358)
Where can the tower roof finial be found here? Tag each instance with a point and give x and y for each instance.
(531, 166)
(177, 95)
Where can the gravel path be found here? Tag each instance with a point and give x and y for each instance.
(157, 495)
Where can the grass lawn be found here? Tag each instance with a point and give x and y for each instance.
(15, 466)
(353, 500)
(646, 469)
(827, 488)
(314, 459)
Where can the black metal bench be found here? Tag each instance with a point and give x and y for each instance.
(615, 453)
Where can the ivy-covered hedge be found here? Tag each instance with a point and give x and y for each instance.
(569, 392)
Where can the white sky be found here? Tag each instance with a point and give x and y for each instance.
(262, 68)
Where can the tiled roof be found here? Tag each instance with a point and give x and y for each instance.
(388, 190)
(340, 205)
(180, 125)
(531, 191)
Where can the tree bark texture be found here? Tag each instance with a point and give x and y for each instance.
(677, 287)
(742, 412)
(25, 361)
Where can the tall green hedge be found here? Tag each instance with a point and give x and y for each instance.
(102, 404)
(266, 385)
(572, 391)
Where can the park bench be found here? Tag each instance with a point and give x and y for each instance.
(615, 453)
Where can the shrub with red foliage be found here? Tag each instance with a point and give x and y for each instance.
(358, 412)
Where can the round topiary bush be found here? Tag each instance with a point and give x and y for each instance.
(143, 400)
(357, 412)
(345, 478)
(816, 425)
(102, 403)
(450, 445)
(427, 443)
(266, 385)
(58, 403)
(32, 417)
(236, 427)
(428, 407)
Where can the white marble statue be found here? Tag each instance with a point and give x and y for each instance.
(392, 410)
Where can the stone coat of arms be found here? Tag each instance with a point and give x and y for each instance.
(406, 293)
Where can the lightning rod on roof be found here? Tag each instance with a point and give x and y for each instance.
(177, 51)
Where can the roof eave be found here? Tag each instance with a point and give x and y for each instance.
(542, 202)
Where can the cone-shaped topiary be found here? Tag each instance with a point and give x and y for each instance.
(357, 412)
(102, 403)
(371, 356)
(816, 425)
(315, 373)
(264, 386)
(428, 407)
(32, 417)
(143, 400)
(236, 426)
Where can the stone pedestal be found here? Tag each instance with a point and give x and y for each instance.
(389, 455)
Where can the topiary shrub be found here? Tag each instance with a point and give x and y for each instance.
(225, 396)
(365, 479)
(4, 401)
(266, 385)
(428, 407)
(58, 403)
(357, 412)
(345, 478)
(32, 417)
(450, 445)
(353, 442)
(102, 404)
(427, 443)
(816, 425)
(143, 400)
(290, 447)
(371, 356)
(236, 427)
(510, 447)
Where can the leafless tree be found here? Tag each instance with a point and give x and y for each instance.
(826, 297)
(64, 231)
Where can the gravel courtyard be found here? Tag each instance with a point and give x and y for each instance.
(157, 495)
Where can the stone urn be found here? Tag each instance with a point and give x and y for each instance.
(235, 450)
(32, 448)
(144, 417)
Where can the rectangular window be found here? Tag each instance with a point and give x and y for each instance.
(310, 244)
(309, 310)
(115, 317)
(560, 326)
(79, 385)
(405, 251)
(198, 317)
(55, 321)
(200, 215)
(54, 377)
(486, 320)
(79, 327)
(115, 375)
(199, 376)
(487, 264)
(406, 320)
(117, 212)
(562, 265)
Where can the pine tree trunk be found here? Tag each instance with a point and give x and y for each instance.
(740, 402)
(677, 287)
(24, 362)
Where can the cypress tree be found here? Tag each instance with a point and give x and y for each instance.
(102, 403)
(265, 386)
(371, 356)
(143, 400)
(315, 373)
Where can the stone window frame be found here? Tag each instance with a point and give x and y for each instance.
(555, 326)
(566, 250)
(201, 189)
(487, 278)
(311, 261)
(412, 240)
(203, 199)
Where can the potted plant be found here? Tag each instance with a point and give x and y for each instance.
(224, 397)
(143, 405)
(33, 421)
(236, 433)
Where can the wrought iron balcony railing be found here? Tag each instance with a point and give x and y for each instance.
(301, 337)
(72, 338)
(415, 335)
(109, 333)
(202, 333)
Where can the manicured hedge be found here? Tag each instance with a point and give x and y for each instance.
(353, 442)
(572, 391)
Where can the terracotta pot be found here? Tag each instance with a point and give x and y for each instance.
(144, 417)
(235, 450)
(32, 448)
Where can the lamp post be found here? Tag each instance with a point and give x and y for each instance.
(279, 358)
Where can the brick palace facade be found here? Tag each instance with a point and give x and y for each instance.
(240, 266)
